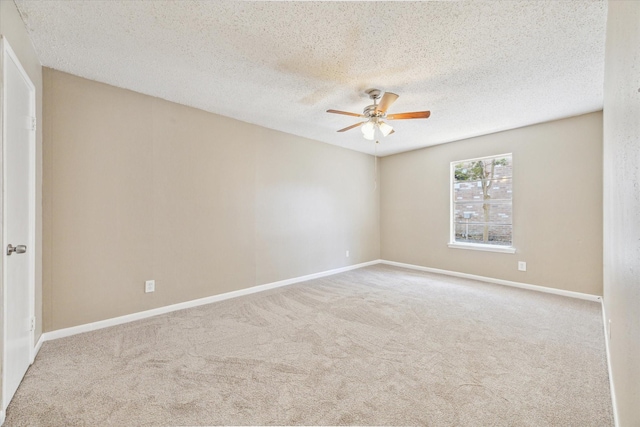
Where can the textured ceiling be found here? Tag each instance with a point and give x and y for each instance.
(479, 66)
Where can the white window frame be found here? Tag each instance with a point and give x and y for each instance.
(452, 229)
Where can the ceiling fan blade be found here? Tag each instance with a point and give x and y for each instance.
(387, 99)
(346, 113)
(351, 127)
(414, 115)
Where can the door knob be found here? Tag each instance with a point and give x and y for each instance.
(20, 249)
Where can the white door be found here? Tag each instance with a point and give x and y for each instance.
(18, 109)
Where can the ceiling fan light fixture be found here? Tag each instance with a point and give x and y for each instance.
(368, 127)
(384, 128)
(368, 130)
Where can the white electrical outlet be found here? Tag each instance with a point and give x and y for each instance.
(150, 286)
(522, 266)
(347, 254)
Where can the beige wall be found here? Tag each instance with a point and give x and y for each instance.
(622, 204)
(13, 29)
(139, 188)
(557, 199)
(312, 204)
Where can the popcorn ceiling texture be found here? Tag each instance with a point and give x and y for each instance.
(480, 67)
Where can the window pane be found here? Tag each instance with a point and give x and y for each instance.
(497, 213)
(482, 195)
(499, 189)
(500, 235)
(475, 233)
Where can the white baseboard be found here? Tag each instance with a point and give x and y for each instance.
(2, 415)
(614, 405)
(37, 348)
(545, 289)
(61, 333)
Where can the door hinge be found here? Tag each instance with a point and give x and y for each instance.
(33, 124)
(33, 324)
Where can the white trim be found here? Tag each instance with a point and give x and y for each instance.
(482, 158)
(61, 333)
(37, 348)
(614, 405)
(2, 416)
(578, 295)
(6, 52)
(482, 247)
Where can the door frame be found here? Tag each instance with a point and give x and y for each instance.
(7, 54)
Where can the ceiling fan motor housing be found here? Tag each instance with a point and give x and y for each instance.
(374, 93)
(371, 111)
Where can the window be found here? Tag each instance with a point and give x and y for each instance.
(481, 212)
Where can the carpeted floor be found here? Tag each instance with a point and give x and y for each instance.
(375, 346)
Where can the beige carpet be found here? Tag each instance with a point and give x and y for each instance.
(379, 345)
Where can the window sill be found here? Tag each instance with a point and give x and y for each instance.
(481, 247)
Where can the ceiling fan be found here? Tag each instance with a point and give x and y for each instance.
(376, 113)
